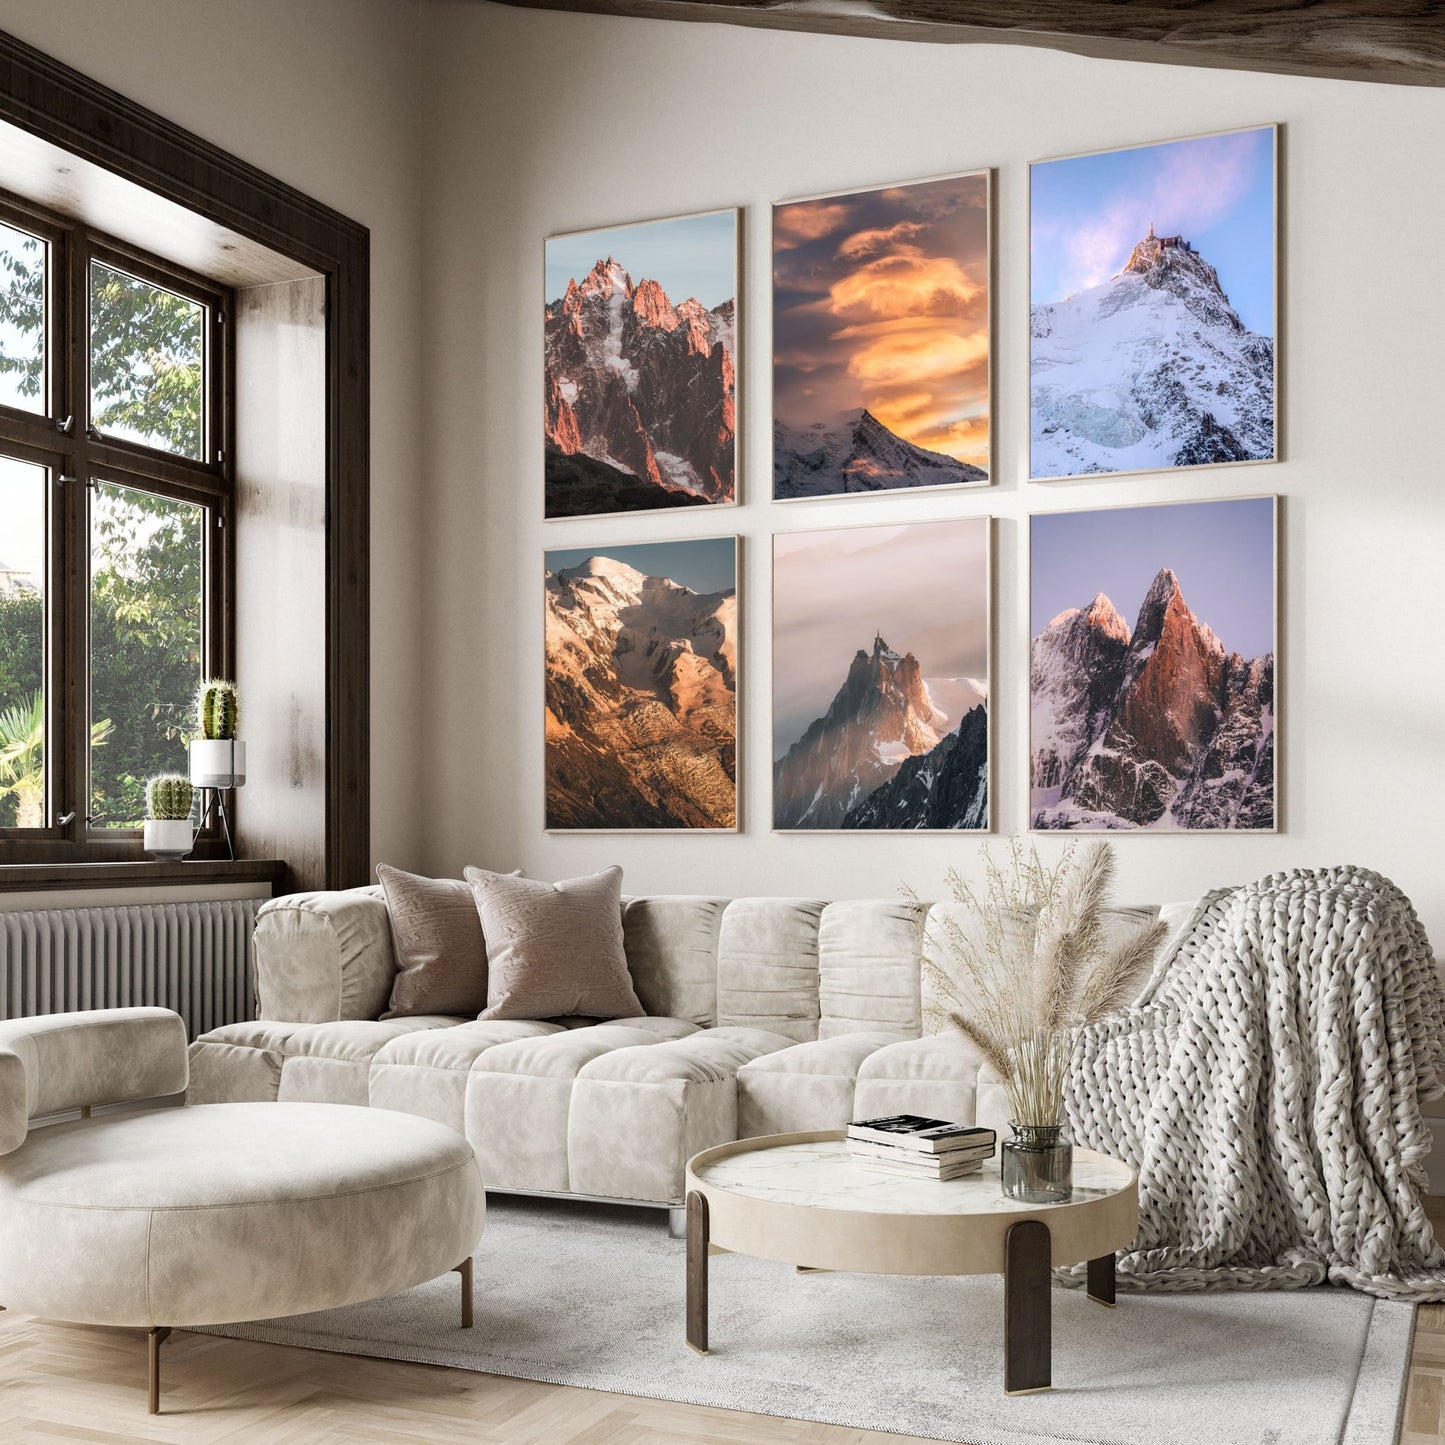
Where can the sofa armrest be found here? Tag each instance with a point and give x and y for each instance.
(323, 957)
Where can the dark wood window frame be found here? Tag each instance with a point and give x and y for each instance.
(72, 111)
(79, 457)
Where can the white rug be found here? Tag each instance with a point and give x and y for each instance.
(586, 1295)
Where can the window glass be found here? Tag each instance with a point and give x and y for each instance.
(146, 619)
(23, 259)
(147, 360)
(22, 644)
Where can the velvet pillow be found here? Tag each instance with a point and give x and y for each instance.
(441, 952)
(554, 949)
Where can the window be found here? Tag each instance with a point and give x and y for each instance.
(115, 492)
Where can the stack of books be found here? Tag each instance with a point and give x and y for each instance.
(924, 1148)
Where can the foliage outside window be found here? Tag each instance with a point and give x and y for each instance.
(114, 489)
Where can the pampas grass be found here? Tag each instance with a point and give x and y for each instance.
(1034, 966)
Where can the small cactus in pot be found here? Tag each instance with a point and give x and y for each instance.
(218, 757)
(168, 821)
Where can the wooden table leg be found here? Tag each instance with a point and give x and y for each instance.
(1101, 1280)
(697, 1272)
(1027, 1321)
(465, 1270)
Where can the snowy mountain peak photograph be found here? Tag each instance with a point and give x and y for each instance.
(640, 352)
(881, 339)
(1152, 317)
(641, 686)
(1169, 723)
(880, 677)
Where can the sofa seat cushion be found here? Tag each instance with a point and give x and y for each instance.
(265, 1060)
(936, 1075)
(519, 1095)
(638, 1115)
(231, 1212)
(807, 1086)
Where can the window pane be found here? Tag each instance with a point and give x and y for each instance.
(147, 347)
(22, 319)
(145, 644)
(22, 644)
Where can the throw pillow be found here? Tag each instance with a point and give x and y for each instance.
(441, 952)
(554, 949)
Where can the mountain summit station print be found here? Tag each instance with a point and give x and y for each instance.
(639, 389)
(1151, 329)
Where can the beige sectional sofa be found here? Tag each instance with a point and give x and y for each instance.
(763, 1015)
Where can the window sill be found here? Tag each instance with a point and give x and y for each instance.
(47, 877)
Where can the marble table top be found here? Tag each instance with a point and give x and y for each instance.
(824, 1174)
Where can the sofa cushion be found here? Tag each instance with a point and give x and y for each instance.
(672, 954)
(767, 971)
(936, 1075)
(519, 1095)
(868, 968)
(639, 1114)
(807, 1086)
(441, 952)
(554, 949)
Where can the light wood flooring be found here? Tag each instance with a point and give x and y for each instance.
(72, 1383)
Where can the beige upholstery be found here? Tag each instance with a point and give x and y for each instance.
(108, 1056)
(324, 956)
(936, 1075)
(231, 1212)
(672, 945)
(809, 1086)
(637, 1115)
(767, 971)
(868, 969)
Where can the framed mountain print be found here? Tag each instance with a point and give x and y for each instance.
(640, 346)
(641, 686)
(881, 339)
(1153, 315)
(881, 641)
(1152, 695)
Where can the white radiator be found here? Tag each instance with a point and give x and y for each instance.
(191, 957)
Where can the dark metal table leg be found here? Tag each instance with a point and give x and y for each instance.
(1027, 1319)
(154, 1340)
(1101, 1280)
(465, 1270)
(697, 1272)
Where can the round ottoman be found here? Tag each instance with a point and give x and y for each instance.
(227, 1212)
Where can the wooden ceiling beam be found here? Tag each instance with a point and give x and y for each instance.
(1400, 42)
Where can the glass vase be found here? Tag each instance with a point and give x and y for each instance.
(1037, 1164)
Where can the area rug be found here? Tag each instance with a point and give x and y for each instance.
(587, 1295)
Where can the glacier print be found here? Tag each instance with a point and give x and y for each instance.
(881, 339)
(1152, 318)
(640, 346)
(881, 677)
(1151, 668)
(641, 686)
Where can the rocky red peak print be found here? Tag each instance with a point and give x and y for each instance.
(1158, 727)
(641, 683)
(881, 716)
(638, 397)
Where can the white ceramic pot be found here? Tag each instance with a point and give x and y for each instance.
(168, 837)
(218, 763)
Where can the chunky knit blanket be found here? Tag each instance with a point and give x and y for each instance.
(1267, 1088)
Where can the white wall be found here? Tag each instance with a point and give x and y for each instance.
(539, 122)
(322, 94)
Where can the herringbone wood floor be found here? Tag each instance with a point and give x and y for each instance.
(69, 1382)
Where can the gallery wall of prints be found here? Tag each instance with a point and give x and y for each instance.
(1159, 717)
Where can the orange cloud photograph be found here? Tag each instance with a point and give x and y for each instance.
(881, 339)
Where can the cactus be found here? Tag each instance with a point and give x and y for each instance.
(217, 709)
(168, 797)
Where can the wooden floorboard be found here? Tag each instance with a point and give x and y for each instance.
(74, 1383)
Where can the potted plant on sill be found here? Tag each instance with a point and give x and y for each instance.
(218, 756)
(1017, 968)
(167, 831)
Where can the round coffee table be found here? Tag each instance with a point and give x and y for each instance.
(802, 1199)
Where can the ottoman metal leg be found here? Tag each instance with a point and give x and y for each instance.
(697, 1272)
(154, 1340)
(1027, 1322)
(465, 1270)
